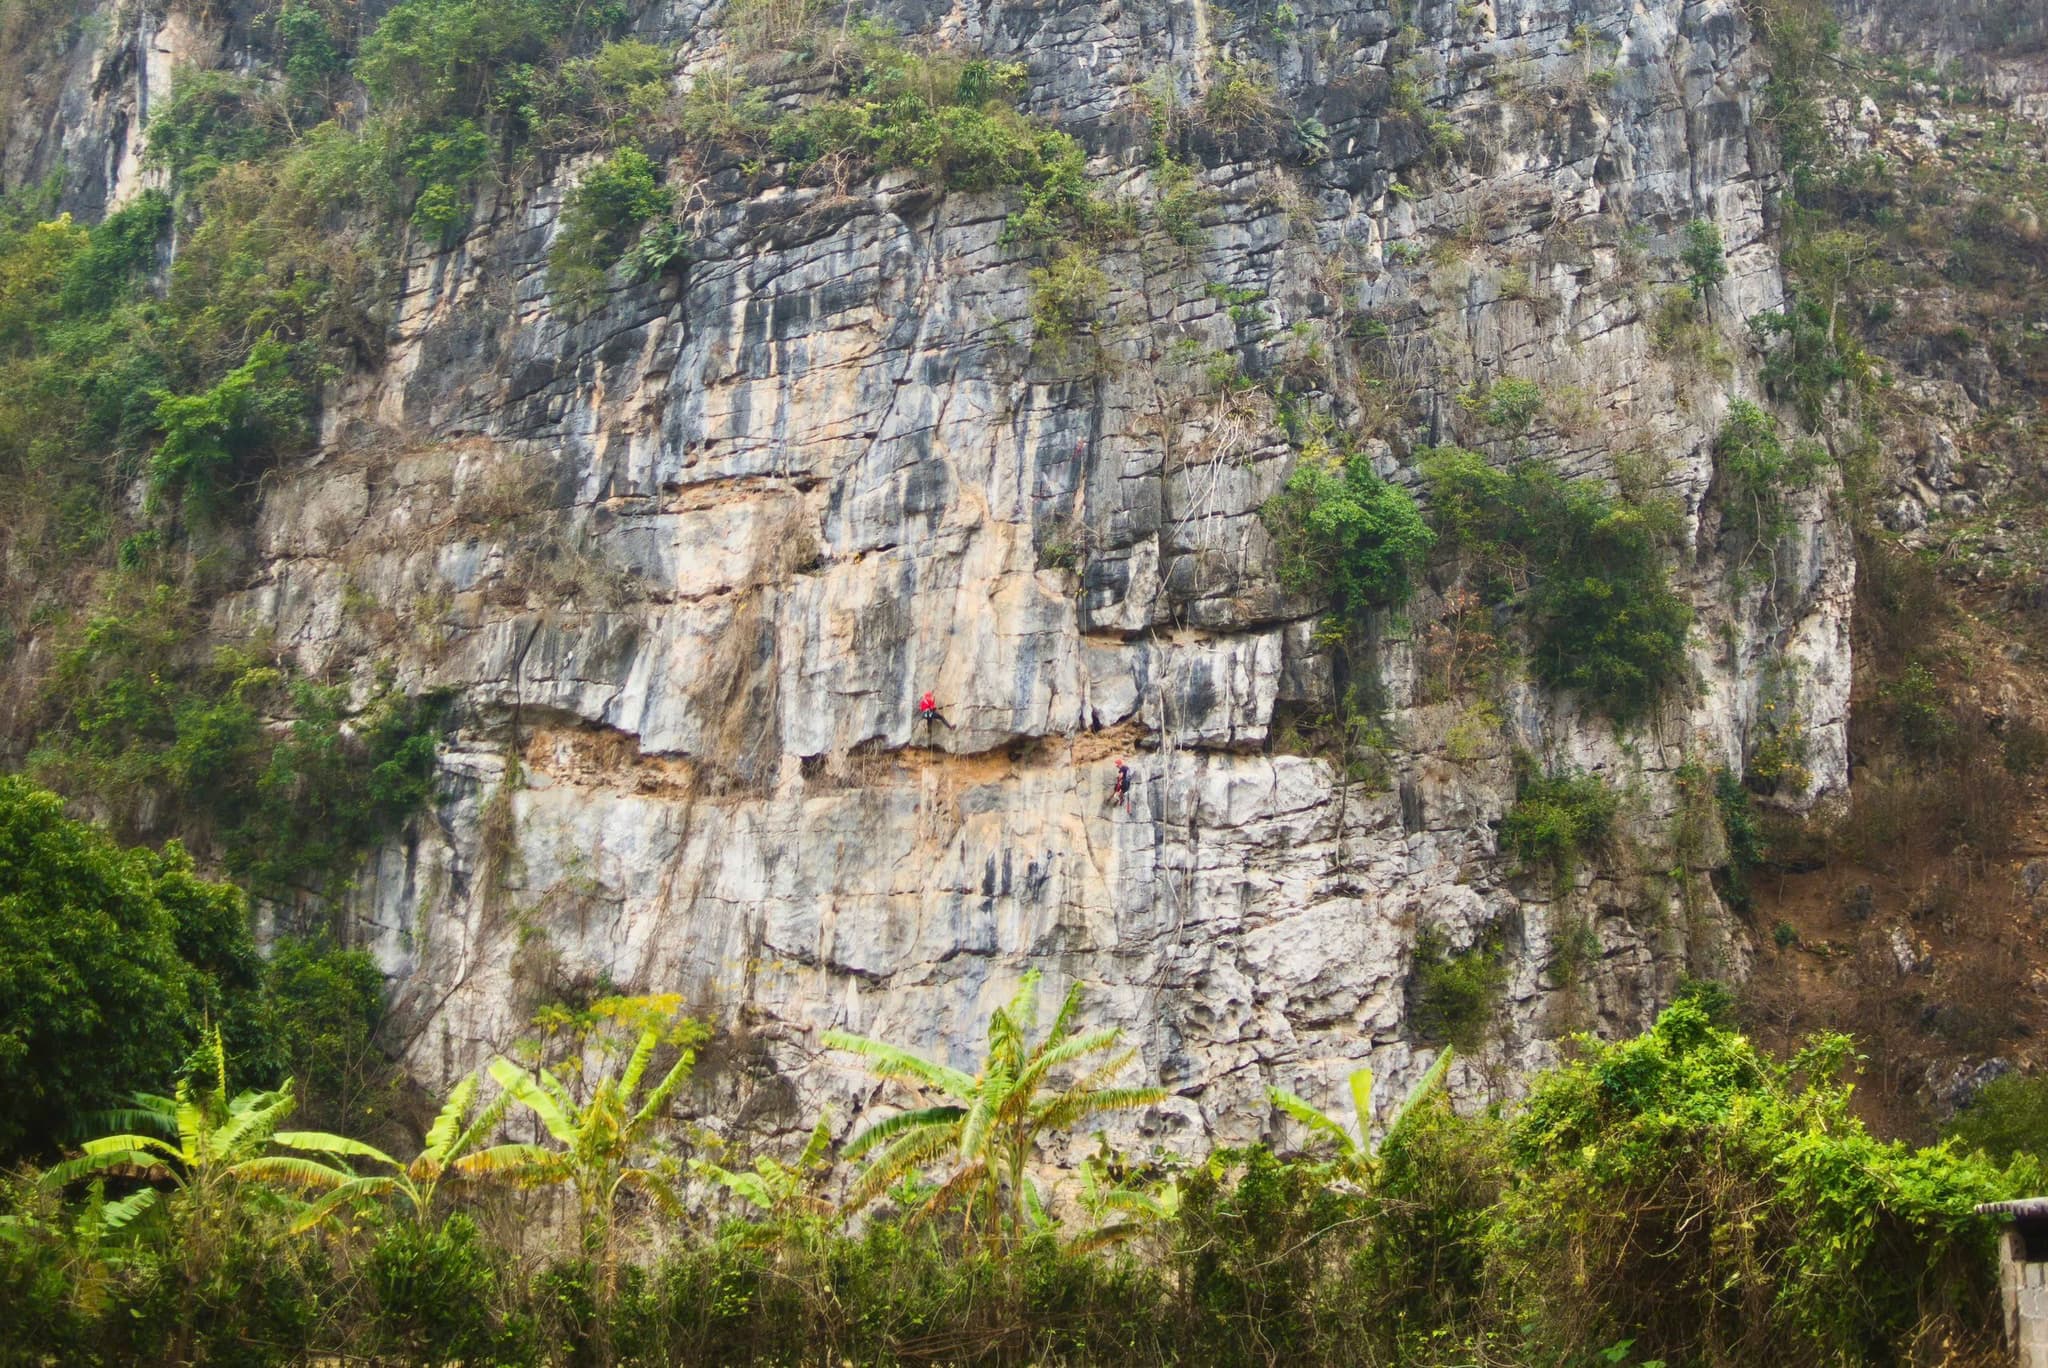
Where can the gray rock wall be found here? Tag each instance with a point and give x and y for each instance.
(688, 563)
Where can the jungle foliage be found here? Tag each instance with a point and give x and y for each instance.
(113, 962)
(1679, 1197)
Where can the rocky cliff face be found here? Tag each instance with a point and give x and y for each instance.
(689, 560)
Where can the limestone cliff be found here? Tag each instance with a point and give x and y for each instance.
(689, 559)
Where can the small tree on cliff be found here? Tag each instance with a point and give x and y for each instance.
(990, 1125)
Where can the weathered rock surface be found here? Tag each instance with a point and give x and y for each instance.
(688, 562)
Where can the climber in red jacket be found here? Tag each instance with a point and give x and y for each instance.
(927, 708)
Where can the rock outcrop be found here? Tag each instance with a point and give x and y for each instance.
(687, 561)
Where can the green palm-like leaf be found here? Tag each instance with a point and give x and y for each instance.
(889, 1127)
(1069, 1050)
(117, 1214)
(110, 1161)
(964, 1181)
(751, 1188)
(297, 1172)
(536, 1098)
(1069, 1009)
(1004, 1110)
(328, 1203)
(430, 1166)
(532, 1164)
(1021, 1011)
(1076, 1107)
(1361, 1104)
(996, 1089)
(820, 1141)
(322, 1142)
(889, 1061)
(1315, 1119)
(643, 1051)
(191, 1123)
(252, 1118)
(1424, 1086)
(441, 1136)
(907, 1154)
(658, 1188)
(664, 1091)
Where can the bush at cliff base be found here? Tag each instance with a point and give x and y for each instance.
(1685, 1191)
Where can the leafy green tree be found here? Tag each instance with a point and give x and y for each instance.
(454, 1135)
(604, 213)
(1558, 818)
(313, 1018)
(1685, 1190)
(210, 437)
(1588, 570)
(994, 1120)
(96, 994)
(1757, 469)
(2008, 1118)
(1706, 261)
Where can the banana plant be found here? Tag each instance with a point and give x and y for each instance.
(778, 1190)
(1358, 1155)
(452, 1136)
(206, 1138)
(1119, 1207)
(991, 1123)
(603, 1146)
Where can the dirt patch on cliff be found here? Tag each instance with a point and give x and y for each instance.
(1918, 920)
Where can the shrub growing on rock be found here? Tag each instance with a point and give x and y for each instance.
(1589, 571)
(1343, 530)
(1558, 819)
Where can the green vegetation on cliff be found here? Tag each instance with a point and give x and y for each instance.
(1588, 571)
